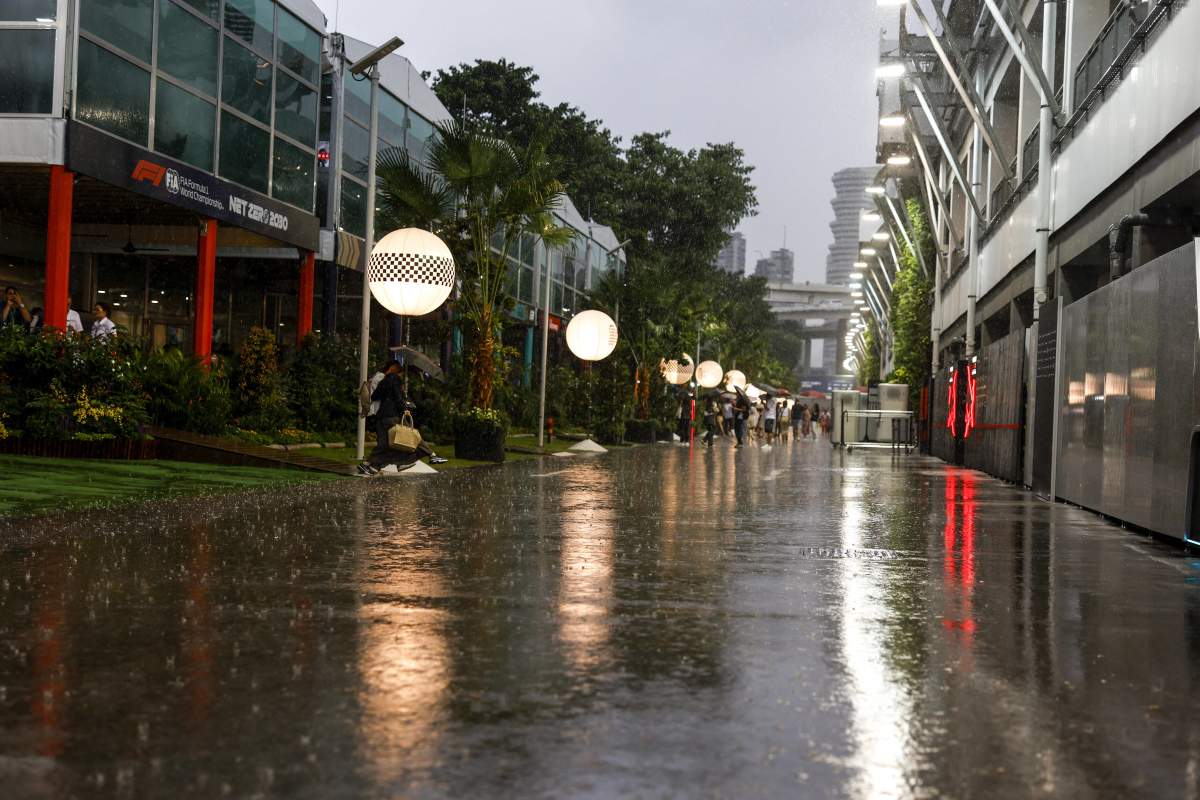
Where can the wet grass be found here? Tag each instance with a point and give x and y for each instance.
(30, 486)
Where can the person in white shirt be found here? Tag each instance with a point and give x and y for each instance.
(103, 327)
(769, 418)
(74, 324)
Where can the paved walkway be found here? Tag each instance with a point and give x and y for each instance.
(652, 623)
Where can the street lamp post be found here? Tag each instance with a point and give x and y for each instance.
(369, 66)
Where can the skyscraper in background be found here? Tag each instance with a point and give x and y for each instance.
(732, 257)
(779, 268)
(849, 203)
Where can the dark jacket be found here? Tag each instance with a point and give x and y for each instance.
(393, 402)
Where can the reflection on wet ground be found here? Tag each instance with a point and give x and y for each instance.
(653, 623)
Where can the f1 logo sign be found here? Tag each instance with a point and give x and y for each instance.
(145, 171)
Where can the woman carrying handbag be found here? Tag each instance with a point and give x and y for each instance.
(397, 442)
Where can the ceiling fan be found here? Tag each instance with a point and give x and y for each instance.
(131, 249)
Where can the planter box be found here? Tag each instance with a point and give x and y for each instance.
(109, 449)
(473, 445)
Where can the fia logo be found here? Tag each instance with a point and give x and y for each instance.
(172, 181)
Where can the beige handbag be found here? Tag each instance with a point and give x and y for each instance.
(404, 437)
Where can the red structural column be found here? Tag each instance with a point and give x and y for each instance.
(304, 304)
(206, 270)
(58, 246)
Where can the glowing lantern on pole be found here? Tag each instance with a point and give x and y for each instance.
(676, 371)
(709, 374)
(752, 392)
(592, 335)
(410, 272)
(735, 378)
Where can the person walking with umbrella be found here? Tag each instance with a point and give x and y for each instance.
(394, 404)
(741, 411)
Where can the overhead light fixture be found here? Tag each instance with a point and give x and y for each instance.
(124, 296)
(856, 286)
(875, 190)
(882, 236)
(872, 216)
(99, 291)
(890, 71)
(375, 56)
(899, 161)
(856, 275)
(855, 314)
(891, 122)
(860, 265)
(867, 251)
(856, 294)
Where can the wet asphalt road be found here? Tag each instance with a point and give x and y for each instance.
(652, 623)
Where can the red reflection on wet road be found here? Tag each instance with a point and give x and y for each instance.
(49, 655)
(958, 541)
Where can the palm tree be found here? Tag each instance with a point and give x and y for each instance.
(481, 195)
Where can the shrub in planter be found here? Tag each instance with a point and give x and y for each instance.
(611, 433)
(479, 435)
(642, 431)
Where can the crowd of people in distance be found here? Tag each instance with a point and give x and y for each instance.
(30, 319)
(762, 421)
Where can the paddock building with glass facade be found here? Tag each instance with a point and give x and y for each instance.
(192, 162)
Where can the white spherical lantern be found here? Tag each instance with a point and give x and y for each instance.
(410, 272)
(752, 392)
(592, 335)
(735, 378)
(709, 374)
(676, 371)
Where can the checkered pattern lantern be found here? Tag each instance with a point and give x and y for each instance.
(709, 374)
(735, 378)
(592, 335)
(411, 272)
(676, 371)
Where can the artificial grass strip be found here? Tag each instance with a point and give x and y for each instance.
(30, 486)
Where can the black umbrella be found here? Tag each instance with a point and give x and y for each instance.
(419, 360)
(717, 392)
(766, 388)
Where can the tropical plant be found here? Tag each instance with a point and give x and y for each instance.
(869, 364)
(184, 392)
(321, 383)
(911, 308)
(258, 396)
(482, 194)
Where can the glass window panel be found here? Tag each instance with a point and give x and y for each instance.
(527, 285)
(299, 47)
(187, 48)
(246, 82)
(512, 280)
(184, 125)
(28, 10)
(358, 98)
(128, 24)
(356, 143)
(209, 8)
(556, 298)
(391, 119)
(556, 265)
(528, 245)
(354, 208)
(26, 72)
(112, 94)
(294, 175)
(245, 151)
(581, 276)
(295, 109)
(421, 128)
(252, 20)
(568, 303)
(325, 124)
(568, 276)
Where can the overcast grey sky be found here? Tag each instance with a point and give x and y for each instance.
(791, 82)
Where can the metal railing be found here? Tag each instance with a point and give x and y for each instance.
(1112, 41)
(1029, 153)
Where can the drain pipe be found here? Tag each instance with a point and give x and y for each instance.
(1120, 233)
(1041, 272)
(973, 227)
